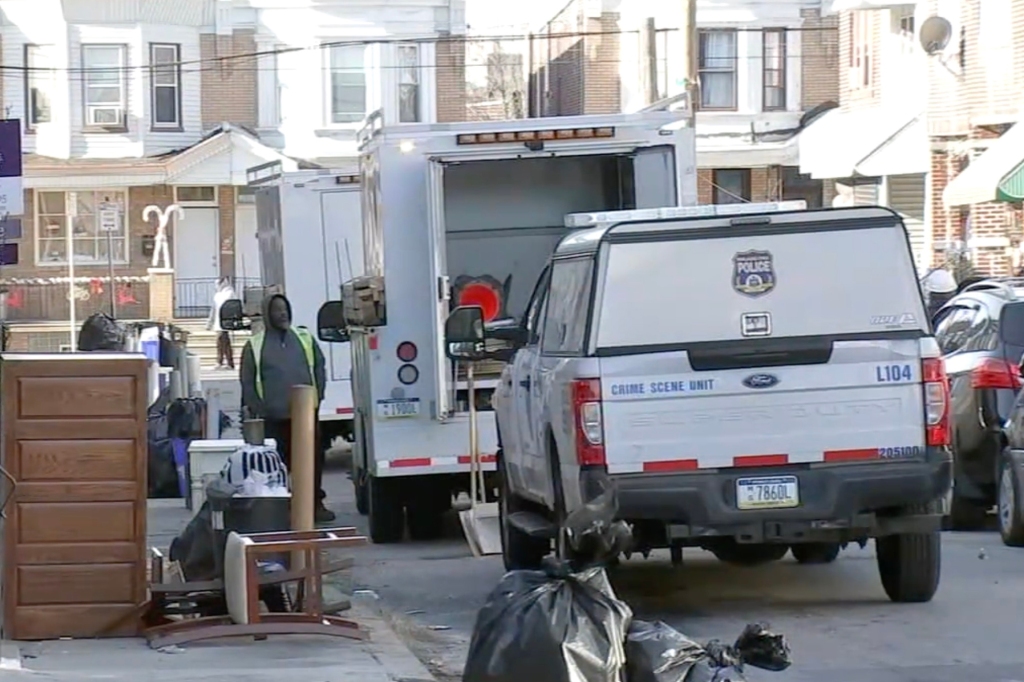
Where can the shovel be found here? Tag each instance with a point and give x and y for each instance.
(480, 522)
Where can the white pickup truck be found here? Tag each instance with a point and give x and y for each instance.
(749, 383)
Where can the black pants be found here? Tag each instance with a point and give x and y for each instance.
(224, 354)
(281, 431)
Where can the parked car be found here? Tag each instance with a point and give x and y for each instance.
(981, 334)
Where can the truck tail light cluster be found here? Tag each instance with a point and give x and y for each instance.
(589, 423)
(936, 402)
(407, 352)
(996, 373)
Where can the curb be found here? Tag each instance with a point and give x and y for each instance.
(10, 656)
(398, 661)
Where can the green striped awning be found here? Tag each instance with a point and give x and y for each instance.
(1011, 187)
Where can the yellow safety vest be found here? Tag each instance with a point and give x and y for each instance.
(305, 340)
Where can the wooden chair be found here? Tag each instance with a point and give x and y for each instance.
(241, 586)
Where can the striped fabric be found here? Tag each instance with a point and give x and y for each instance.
(255, 458)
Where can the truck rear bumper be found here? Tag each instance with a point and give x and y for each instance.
(838, 502)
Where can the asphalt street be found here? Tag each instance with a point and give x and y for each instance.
(839, 623)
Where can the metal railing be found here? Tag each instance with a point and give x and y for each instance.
(193, 298)
(51, 302)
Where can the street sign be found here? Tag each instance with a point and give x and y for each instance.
(9, 254)
(110, 217)
(12, 198)
(10, 228)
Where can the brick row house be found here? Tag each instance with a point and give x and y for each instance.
(126, 105)
(766, 69)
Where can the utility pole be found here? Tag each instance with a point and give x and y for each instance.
(649, 61)
(689, 62)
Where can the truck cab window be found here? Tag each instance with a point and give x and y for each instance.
(535, 310)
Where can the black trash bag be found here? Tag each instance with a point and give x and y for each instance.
(163, 474)
(550, 626)
(593, 534)
(656, 652)
(185, 418)
(196, 548)
(101, 332)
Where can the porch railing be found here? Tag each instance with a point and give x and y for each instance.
(50, 300)
(193, 298)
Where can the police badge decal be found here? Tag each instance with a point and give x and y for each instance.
(753, 273)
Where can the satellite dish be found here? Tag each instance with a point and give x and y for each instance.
(935, 34)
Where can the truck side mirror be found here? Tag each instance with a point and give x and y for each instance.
(464, 333)
(331, 326)
(232, 318)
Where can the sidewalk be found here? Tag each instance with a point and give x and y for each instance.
(385, 658)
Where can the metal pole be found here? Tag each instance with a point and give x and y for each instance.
(69, 245)
(649, 61)
(110, 273)
(474, 441)
(690, 56)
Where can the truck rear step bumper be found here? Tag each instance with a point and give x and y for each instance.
(844, 501)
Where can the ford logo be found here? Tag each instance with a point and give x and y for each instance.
(761, 381)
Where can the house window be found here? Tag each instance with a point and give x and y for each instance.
(348, 83)
(195, 195)
(717, 64)
(408, 83)
(860, 48)
(774, 69)
(82, 210)
(165, 84)
(731, 185)
(39, 84)
(105, 83)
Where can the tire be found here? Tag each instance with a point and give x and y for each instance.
(737, 554)
(966, 514)
(815, 552)
(1011, 517)
(362, 494)
(387, 522)
(910, 566)
(519, 551)
(425, 512)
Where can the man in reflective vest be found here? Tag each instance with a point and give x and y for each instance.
(273, 361)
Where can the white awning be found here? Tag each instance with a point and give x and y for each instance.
(979, 182)
(905, 153)
(837, 143)
(837, 6)
(723, 153)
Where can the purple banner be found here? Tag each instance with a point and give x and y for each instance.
(8, 254)
(10, 148)
(10, 229)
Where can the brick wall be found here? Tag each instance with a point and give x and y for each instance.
(819, 63)
(451, 79)
(853, 94)
(228, 82)
(227, 198)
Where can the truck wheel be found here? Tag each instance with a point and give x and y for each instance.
(732, 552)
(815, 552)
(385, 510)
(425, 512)
(910, 565)
(518, 550)
(1011, 523)
(362, 494)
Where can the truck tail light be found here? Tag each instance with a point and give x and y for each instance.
(936, 402)
(586, 409)
(407, 351)
(996, 373)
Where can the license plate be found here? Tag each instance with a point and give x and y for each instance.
(770, 492)
(392, 409)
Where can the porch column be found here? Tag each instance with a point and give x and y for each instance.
(161, 294)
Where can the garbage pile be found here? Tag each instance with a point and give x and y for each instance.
(564, 623)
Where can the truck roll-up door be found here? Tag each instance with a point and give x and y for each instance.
(440, 284)
(654, 177)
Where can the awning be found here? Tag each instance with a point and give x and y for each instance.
(725, 153)
(904, 153)
(1011, 188)
(980, 182)
(837, 6)
(836, 144)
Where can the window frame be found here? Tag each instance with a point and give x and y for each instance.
(745, 180)
(580, 345)
(49, 78)
(416, 84)
(329, 99)
(120, 126)
(175, 67)
(734, 69)
(861, 57)
(780, 68)
(533, 316)
(117, 195)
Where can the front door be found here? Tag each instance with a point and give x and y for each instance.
(196, 261)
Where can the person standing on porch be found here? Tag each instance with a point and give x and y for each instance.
(225, 354)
